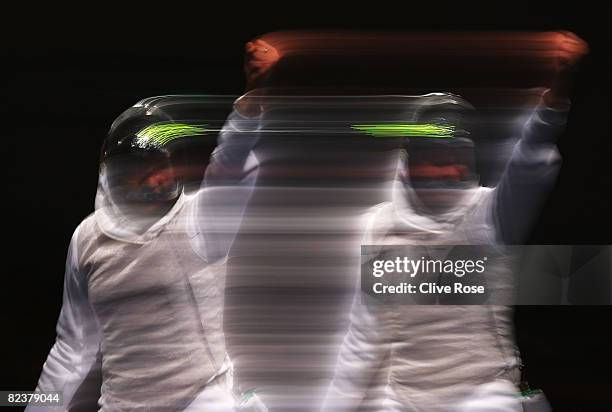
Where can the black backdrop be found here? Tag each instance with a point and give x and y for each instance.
(71, 72)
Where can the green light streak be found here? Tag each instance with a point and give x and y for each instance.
(406, 130)
(159, 135)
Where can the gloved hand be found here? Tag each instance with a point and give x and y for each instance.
(569, 49)
(259, 58)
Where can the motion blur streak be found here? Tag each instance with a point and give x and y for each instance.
(343, 139)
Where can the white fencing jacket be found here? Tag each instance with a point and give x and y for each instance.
(435, 355)
(142, 313)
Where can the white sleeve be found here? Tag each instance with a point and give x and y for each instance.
(226, 188)
(362, 354)
(365, 347)
(529, 176)
(73, 358)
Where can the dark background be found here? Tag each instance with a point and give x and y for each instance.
(71, 72)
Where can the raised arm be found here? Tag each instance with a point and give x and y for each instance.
(228, 183)
(232, 171)
(535, 161)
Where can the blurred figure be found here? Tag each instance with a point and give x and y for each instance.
(141, 304)
(141, 325)
(142, 301)
(452, 358)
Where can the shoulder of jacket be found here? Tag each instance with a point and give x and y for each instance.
(86, 229)
(377, 220)
(83, 237)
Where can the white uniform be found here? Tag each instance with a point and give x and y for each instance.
(141, 326)
(447, 358)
